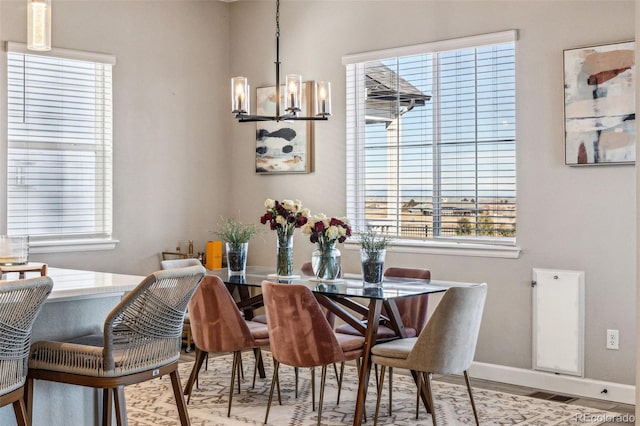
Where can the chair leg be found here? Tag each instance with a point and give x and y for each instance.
(234, 368)
(323, 380)
(258, 354)
(278, 387)
(193, 377)
(180, 402)
(240, 369)
(313, 389)
(121, 406)
(380, 383)
(340, 382)
(473, 404)
(276, 365)
(106, 406)
(390, 389)
(28, 397)
(295, 372)
(20, 410)
(419, 393)
(430, 398)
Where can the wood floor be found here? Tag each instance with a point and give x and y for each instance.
(518, 390)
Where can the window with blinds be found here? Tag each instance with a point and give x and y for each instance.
(431, 140)
(59, 161)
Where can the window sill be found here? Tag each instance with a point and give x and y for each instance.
(63, 246)
(449, 248)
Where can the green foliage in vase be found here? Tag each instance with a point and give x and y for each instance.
(235, 233)
(373, 242)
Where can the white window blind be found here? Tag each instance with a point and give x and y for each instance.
(431, 140)
(59, 163)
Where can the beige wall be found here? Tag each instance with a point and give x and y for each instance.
(181, 160)
(568, 218)
(170, 121)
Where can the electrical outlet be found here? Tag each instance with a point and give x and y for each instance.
(613, 339)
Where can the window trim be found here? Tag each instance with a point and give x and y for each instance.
(80, 55)
(478, 247)
(416, 49)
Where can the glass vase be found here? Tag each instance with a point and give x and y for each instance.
(13, 250)
(237, 258)
(284, 262)
(372, 266)
(325, 261)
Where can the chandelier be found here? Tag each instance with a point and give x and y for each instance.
(240, 105)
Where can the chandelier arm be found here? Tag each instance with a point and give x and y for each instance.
(247, 118)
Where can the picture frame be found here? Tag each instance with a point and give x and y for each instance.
(599, 104)
(285, 146)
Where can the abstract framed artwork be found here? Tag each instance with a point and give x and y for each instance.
(285, 146)
(599, 104)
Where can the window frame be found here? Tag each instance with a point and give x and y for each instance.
(485, 247)
(71, 242)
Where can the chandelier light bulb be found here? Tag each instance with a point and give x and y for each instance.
(39, 25)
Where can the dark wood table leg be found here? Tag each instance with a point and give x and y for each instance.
(375, 308)
(396, 322)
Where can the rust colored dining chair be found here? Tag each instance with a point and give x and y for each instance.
(187, 339)
(445, 346)
(307, 270)
(218, 327)
(140, 341)
(413, 312)
(20, 303)
(301, 336)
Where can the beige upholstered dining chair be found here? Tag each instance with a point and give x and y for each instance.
(20, 303)
(218, 327)
(179, 263)
(445, 346)
(301, 336)
(140, 341)
(413, 312)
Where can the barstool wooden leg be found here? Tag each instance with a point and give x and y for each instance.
(21, 412)
(28, 397)
(106, 407)
(179, 397)
(121, 406)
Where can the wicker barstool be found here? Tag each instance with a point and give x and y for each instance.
(20, 302)
(140, 341)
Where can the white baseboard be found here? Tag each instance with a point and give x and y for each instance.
(555, 383)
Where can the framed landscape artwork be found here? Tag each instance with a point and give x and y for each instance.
(599, 104)
(285, 146)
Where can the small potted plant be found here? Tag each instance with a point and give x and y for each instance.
(373, 248)
(236, 236)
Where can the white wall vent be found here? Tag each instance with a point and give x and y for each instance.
(558, 321)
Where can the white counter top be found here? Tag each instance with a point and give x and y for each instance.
(76, 284)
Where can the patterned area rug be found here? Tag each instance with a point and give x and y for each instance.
(152, 403)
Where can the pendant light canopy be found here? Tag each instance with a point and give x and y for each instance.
(240, 105)
(39, 25)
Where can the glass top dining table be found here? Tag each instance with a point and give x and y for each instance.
(349, 299)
